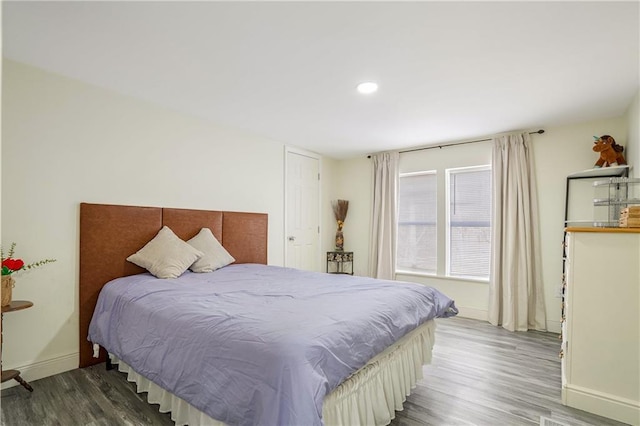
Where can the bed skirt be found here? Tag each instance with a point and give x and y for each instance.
(370, 396)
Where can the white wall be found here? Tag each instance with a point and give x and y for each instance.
(328, 224)
(1, 126)
(65, 142)
(353, 182)
(557, 153)
(632, 149)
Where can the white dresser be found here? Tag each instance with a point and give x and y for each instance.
(601, 330)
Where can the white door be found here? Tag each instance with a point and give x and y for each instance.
(302, 212)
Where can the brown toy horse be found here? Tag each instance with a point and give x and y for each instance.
(610, 152)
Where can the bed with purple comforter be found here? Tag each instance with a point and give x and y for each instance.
(253, 344)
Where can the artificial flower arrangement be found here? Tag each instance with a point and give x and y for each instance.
(340, 209)
(11, 265)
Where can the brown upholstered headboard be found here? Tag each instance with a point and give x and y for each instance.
(110, 233)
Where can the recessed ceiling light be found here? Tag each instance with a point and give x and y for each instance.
(367, 87)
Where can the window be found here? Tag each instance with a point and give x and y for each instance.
(469, 222)
(417, 232)
(462, 223)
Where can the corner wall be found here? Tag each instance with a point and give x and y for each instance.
(353, 182)
(66, 142)
(557, 153)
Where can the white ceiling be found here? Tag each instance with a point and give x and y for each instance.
(447, 70)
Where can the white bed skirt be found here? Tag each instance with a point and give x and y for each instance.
(371, 396)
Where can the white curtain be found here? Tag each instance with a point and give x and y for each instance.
(382, 250)
(516, 296)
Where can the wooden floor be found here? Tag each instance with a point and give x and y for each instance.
(480, 375)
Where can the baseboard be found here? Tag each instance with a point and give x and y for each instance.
(482, 315)
(554, 326)
(603, 404)
(40, 370)
(473, 313)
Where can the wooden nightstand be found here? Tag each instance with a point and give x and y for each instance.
(16, 305)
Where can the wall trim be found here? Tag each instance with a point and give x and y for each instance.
(554, 326)
(473, 313)
(482, 315)
(602, 404)
(42, 369)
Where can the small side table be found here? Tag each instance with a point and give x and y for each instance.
(340, 262)
(16, 305)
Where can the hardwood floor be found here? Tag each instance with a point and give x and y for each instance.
(480, 375)
(485, 375)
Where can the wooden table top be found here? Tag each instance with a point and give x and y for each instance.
(618, 230)
(17, 305)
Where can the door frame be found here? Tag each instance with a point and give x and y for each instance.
(310, 154)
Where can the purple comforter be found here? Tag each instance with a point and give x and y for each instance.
(254, 344)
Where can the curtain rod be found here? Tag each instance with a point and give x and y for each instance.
(460, 143)
(541, 131)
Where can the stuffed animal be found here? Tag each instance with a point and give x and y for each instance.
(610, 152)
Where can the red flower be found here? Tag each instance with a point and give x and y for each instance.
(13, 264)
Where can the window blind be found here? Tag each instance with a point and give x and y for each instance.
(469, 222)
(417, 223)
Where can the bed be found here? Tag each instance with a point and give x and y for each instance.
(357, 376)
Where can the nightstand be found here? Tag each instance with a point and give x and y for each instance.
(16, 305)
(340, 262)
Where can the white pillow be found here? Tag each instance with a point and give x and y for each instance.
(166, 255)
(215, 256)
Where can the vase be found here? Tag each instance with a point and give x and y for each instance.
(339, 240)
(7, 287)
